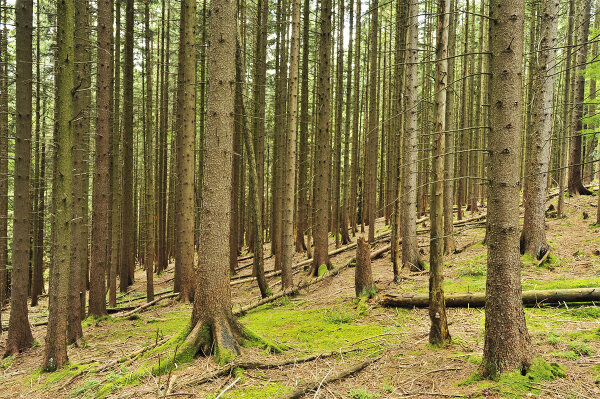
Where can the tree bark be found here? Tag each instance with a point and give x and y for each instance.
(55, 350)
(575, 183)
(127, 209)
(533, 237)
(101, 184)
(373, 131)
(322, 162)
(449, 240)
(19, 330)
(438, 333)
(507, 344)
(363, 276)
(410, 254)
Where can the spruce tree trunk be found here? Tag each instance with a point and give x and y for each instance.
(37, 276)
(186, 103)
(212, 304)
(337, 141)
(410, 254)
(19, 331)
(533, 237)
(575, 182)
(507, 344)
(127, 209)
(344, 221)
(289, 186)
(117, 167)
(303, 158)
(355, 124)
(449, 240)
(55, 350)
(101, 182)
(438, 333)
(149, 162)
(4, 160)
(322, 162)
(80, 131)
(373, 130)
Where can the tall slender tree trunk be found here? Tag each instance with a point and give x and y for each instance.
(19, 331)
(347, 198)
(566, 112)
(322, 162)
(303, 159)
(533, 237)
(373, 131)
(149, 162)
(410, 254)
(127, 209)
(37, 277)
(117, 167)
(337, 141)
(101, 184)
(507, 344)
(186, 103)
(4, 163)
(449, 241)
(575, 182)
(289, 186)
(438, 333)
(355, 124)
(81, 105)
(55, 350)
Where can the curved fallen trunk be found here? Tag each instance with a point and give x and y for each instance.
(477, 299)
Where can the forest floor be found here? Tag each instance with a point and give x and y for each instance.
(327, 317)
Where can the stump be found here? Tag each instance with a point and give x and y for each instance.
(363, 277)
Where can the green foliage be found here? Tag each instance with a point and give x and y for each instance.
(338, 316)
(83, 389)
(474, 269)
(569, 354)
(512, 384)
(360, 394)
(322, 270)
(309, 330)
(369, 292)
(6, 362)
(270, 390)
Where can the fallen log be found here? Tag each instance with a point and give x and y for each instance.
(147, 305)
(477, 299)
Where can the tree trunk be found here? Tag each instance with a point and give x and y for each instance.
(373, 131)
(533, 237)
(344, 221)
(80, 130)
(322, 162)
(410, 254)
(337, 140)
(149, 162)
(449, 240)
(507, 344)
(4, 162)
(101, 184)
(363, 276)
(575, 183)
(289, 186)
(55, 350)
(438, 333)
(127, 210)
(19, 331)
(303, 159)
(186, 102)
(117, 197)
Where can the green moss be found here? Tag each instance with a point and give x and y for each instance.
(360, 394)
(6, 362)
(41, 379)
(81, 390)
(334, 316)
(528, 260)
(475, 269)
(322, 270)
(270, 390)
(513, 384)
(569, 354)
(310, 330)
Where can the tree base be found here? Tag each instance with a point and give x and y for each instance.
(222, 338)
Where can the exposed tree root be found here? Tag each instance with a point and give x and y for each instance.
(306, 387)
(253, 364)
